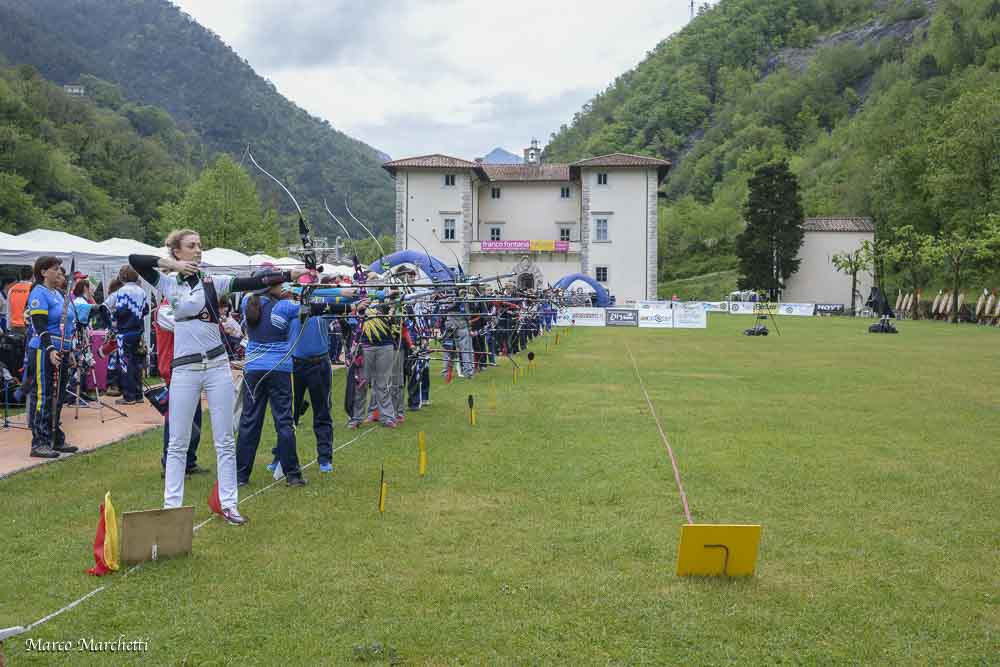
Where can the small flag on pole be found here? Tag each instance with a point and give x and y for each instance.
(214, 503)
(106, 544)
(422, 460)
(383, 491)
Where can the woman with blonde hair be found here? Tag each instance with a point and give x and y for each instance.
(200, 361)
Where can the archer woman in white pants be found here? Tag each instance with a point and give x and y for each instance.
(200, 361)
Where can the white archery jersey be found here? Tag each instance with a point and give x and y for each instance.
(192, 336)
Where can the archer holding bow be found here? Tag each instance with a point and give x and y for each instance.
(200, 361)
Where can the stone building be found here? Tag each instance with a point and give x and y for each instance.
(596, 216)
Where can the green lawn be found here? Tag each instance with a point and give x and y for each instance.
(547, 534)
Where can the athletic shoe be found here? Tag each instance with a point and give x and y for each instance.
(352, 425)
(400, 419)
(44, 453)
(66, 449)
(242, 483)
(427, 402)
(196, 470)
(326, 467)
(233, 517)
(272, 466)
(297, 481)
(389, 424)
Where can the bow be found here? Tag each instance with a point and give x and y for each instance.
(308, 258)
(67, 304)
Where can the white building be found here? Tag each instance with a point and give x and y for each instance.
(597, 216)
(817, 280)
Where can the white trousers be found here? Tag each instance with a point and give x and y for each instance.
(186, 385)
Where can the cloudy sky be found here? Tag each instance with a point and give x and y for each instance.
(411, 77)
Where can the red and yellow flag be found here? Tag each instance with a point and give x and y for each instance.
(106, 544)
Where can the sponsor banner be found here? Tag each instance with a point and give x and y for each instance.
(830, 309)
(581, 317)
(715, 306)
(656, 315)
(743, 307)
(524, 246)
(676, 315)
(799, 309)
(621, 317)
(690, 315)
(752, 308)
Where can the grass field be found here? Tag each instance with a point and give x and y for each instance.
(547, 534)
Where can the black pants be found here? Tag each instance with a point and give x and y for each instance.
(131, 372)
(41, 406)
(276, 390)
(315, 376)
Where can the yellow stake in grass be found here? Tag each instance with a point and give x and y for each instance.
(493, 394)
(383, 491)
(514, 368)
(422, 459)
(557, 338)
(472, 410)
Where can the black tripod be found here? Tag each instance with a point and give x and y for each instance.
(762, 311)
(8, 380)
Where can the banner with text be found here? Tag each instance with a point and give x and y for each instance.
(676, 315)
(524, 246)
(581, 317)
(622, 317)
(752, 308)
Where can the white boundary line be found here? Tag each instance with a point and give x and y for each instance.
(663, 436)
(132, 569)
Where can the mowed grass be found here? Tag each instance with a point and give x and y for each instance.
(547, 534)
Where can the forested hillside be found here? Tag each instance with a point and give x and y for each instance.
(886, 109)
(97, 167)
(160, 56)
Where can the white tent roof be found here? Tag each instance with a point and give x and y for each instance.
(337, 270)
(24, 249)
(260, 259)
(286, 261)
(126, 247)
(226, 258)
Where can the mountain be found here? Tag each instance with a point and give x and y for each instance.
(500, 156)
(160, 56)
(870, 101)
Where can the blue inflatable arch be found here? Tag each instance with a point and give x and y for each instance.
(433, 267)
(603, 298)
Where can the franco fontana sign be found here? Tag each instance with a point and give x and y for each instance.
(522, 246)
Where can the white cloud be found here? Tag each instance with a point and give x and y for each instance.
(417, 76)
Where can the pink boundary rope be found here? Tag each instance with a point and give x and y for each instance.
(670, 451)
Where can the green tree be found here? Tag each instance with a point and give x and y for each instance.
(958, 251)
(769, 246)
(223, 206)
(853, 263)
(906, 250)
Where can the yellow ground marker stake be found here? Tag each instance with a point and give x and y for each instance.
(531, 363)
(557, 338)
(514, 368)
(718, 550)
(422, 458)
(383, 491)
(472, 410)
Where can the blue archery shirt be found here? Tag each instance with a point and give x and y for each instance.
(49, 302)
(269, 339)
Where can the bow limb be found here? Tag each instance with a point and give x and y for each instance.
(354, 246)
(374, 238)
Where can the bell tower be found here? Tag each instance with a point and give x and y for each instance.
(533, 154)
